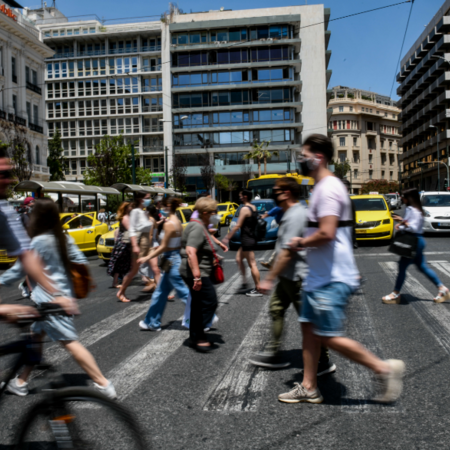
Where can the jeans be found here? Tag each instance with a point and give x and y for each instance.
(169, 280)
(419, 261)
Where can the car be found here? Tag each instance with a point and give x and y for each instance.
(436, 208)
(106, 243)
(84, 228)
(394, 200)
(226, 212)
(262, 206)
(373, 218)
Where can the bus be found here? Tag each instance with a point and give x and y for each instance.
(263, 185)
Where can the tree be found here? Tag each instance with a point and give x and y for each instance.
(246, 173)
(56, 161)
(341, 168)
(178, 173)
(207, 171)
(221, 183)
(110, 164)
(19, 149)
(380, 186)
(232, 186)
(259, 152)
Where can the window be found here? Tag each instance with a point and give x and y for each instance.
(356, 157)
(355, 142)
(342, 142)
(341, 109)
(37, 155)
(14, 98)
(351, 108)
(29, 111)
(370, 158)
(36, 114)
(391, 176)
(13, 69)
(382, 174)
(355, 173)
(342, 157)
(370, 174)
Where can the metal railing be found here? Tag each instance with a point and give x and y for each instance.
(35, 127)
(115, 51)
(150, 48)
(153, 148)
(17, 119)
(152, 129)
(151, 88)
(34, 88)
(92, 53)
(153, 108)
(156, 68)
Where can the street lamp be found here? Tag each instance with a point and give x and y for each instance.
(166, 173)
(438, 159)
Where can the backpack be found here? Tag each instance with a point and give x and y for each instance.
(260, 229)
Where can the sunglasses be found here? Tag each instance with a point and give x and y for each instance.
(5, 174)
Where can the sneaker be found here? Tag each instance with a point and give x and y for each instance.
(24, 290)
(324, 368)
(144, 326)
(16, 389)
(268, 360)
(265, 264)
(390, 385)
(211, 325)
(107, 390)
(242, 289)
(253, 293)
(443, 294)
(300, 394)
(391, 299)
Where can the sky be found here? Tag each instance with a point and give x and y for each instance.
(365, 48)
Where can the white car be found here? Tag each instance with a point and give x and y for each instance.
(436, 207)
(394, 200)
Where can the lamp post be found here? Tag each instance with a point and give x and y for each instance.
(166, 170)
(440, 162)
(438, 159)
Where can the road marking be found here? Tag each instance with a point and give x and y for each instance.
(434, 316)
(357, 384)
(241, 387)
(392, 254)
(442, 266)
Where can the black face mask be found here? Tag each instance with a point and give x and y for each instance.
(275, 196)
(307, 166)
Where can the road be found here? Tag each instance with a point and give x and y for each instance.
(187, 400)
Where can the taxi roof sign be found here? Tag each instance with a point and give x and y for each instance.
(373, 193)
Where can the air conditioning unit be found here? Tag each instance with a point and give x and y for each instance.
(224, 42)
(217, 42)
(263, 39)
(174, 45)
(269, 39)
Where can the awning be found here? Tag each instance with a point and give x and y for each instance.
(64, 187)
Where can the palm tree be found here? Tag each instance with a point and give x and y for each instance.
(259, 152)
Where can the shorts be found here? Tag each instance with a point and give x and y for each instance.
(248, 245)
(248, 248)
(57, 328)
(325, 309)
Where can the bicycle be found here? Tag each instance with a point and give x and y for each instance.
(67, 417)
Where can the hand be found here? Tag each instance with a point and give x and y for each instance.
(265, 286)
(197, 285)
(397, 227)
(225, 241)
(12, 313)
(396, 218)
(69, 305)
(296, 244)
(223, 247)
(136, 249)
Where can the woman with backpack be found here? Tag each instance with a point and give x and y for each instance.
(57, 251)
(413, 223)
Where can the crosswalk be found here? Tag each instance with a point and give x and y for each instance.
(238, 386)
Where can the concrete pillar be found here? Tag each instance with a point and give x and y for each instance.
(167, 96)
(7, 93)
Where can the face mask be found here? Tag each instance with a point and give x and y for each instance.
(308, 165)
(147, 202)
(275, 196)
(214, 220)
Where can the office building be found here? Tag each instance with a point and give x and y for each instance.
(425, 101)
(366, 133)
(22, 104)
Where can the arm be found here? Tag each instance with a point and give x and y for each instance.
(169, 231)
(74, 254)
(242, 216)
(324, 234)
(193, 264)
(133, 223)
(14, 312)
(281, 262)
(15, 273)
(220, 244)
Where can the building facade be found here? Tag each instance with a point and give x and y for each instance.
(425, 101)
(22, 103)
(201, 85)
(365, 129)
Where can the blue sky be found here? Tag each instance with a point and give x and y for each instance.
(365, 48)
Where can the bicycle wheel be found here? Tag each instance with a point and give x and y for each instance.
(79, 418)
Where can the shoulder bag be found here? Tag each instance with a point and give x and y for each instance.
(217, 275)
(82, 281)
(404, 244)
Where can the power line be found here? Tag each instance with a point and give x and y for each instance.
(401, 49)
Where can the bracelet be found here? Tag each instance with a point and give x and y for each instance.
(197, 279)
(58, 294)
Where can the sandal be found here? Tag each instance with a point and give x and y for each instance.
(149, 288)
(201, 348)
(122, 298)
(171, 298)
(443, 294)
(391, 299)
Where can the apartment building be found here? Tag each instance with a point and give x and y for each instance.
(198, 85)
(365, 130)
(425, 101)
(22, 104)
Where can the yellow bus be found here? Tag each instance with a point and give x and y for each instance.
(263, 185)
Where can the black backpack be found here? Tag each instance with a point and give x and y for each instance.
(260, 229)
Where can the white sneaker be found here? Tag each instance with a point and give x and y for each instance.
(24, 289)
(390, 385)
(213, 322)
(16, 389)
(107, 390)
(144, 326)
(253, 293)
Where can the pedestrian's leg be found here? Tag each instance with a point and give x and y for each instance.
(37, 354)
(159, 301)
(402, 266)
(272, 258)
(209, 302)
(86, 361)
(154, 266)
(279, 303)
(421, 263)
(196, 329)
(128, 278)
(240, 263)
(177, 282)
(311, 352)
(250, 257)
(115, 279)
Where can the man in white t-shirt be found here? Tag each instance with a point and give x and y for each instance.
(331, 279)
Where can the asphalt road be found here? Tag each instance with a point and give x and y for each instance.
(187, 400)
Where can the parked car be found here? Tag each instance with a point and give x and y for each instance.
(262, 206)
(106, 243)
(226, 212)
(436, 207)
(394, 201)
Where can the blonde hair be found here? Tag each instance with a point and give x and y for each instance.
(205, 204)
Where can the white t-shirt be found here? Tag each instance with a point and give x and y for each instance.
(332, 262)
(415, 220)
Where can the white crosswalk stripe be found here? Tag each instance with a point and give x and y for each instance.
(442, 266)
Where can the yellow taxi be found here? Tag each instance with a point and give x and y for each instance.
(373, 217)
(84, 228)
(106, 243)
(184, 214)
(226, 212)
(5, 259)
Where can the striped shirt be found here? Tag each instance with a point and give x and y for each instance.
(13, 236)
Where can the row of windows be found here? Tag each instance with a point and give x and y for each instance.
(233, 77)
(344, 125)
(232, 56)
(226, 138)
(351, 109)
(233, 35)
(233, 118)
(343, 142)
(114, 46)
(227, 98)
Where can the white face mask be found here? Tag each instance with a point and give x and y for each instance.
(214, 220)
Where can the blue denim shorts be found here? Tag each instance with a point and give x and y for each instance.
(325, 309)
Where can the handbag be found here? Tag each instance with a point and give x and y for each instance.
(126, 237)
(165, 264)
(404, 244)
(82, 281)
(217, 275)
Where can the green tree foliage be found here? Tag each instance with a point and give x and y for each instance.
(10, 192)
(259, 152)
(341, 168)
(380, 186)
(221, 183)
(111, 163)
(178, 173)
(56, 161)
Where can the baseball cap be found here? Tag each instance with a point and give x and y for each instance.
(28, 200)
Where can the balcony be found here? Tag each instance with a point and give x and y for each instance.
(62, 55)
(92, 53)
(151, 88)
(40, 169)
(150, 129)
(116, 51)
(153, 108)
(151, 48)
(371, 132)
(156, 68)
(35, 127)
(34, 88)
(17, 120)
(153, 149)
(3, 115)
